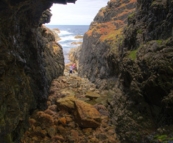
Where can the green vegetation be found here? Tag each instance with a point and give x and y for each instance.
(159, 42)
(139, 31)
(163, 138)
(132, 55)
(131, 15)
(116, 43)
(156, 3)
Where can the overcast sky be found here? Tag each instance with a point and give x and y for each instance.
(80, 13)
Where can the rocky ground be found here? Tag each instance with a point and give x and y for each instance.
(77, 113)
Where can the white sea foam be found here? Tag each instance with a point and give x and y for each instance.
(63, 32)
(67, 34)
(67, 38)
(64, 44)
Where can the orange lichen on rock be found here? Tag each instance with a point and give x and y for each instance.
(62, 121)
(108, 31)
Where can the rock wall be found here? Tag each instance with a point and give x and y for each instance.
(146, 72)
(143, 66)
(99, 48)
(53, 58)
(29, 60)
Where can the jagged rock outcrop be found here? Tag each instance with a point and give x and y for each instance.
(27, 63)
(100, 42)
(52, 56)
(74, 55)
(56, 31)
(146, 71)
(142, 62)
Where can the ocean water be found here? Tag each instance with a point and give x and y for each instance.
(67, 35)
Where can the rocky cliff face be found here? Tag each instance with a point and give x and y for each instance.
(142, 62)
(29, 60)
(100, 42)
(146, 70)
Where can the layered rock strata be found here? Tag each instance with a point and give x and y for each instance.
(28, 63)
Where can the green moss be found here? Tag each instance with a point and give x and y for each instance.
(116, 43)
(156, 3)
(131, 15)
(163, 138)
(159, 42)
(139, 31)
(132, 54)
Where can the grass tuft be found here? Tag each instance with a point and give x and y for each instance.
(132, 55)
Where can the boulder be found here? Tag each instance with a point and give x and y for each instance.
(92, 95)
(86, 115)
(67, 92)
(66, 103)
(78, 36)
(76, 43)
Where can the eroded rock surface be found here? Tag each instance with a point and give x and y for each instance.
(99, 48)
(140, 60)
(26, 53)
